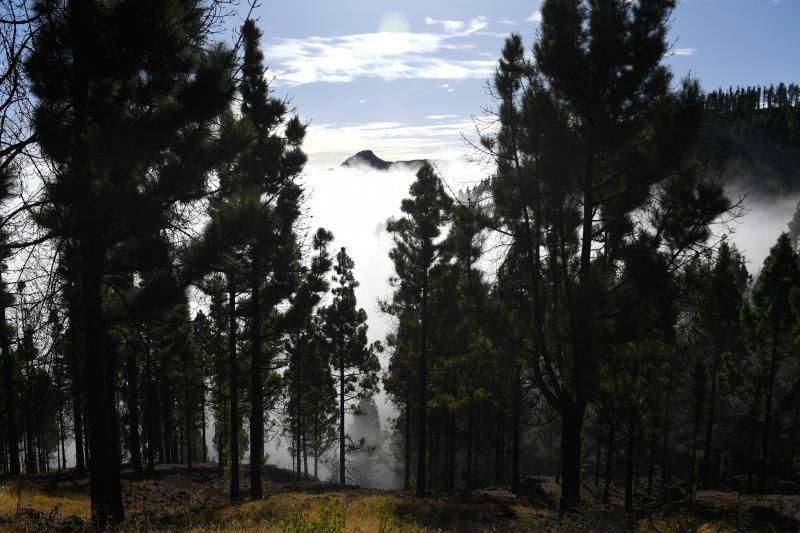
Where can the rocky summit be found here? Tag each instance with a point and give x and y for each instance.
(369, 159)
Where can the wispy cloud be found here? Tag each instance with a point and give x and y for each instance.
(449, 26)
(536, 17)
(683, 52)
(445, 55)
(329, 144)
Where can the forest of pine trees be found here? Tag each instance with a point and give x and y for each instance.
(164, 303)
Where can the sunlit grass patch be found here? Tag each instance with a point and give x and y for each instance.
(48, 503)
(356, 511)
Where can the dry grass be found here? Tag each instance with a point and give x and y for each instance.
(16, 507)
(287, 511)
(365, 512)
(197, 501)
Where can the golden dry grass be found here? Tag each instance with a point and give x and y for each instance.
(177, 503)
(33, 500)
(45, 502)
(362, 512)
(280, 512)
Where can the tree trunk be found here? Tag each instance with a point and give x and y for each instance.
(3, 457)
(571, 426)
(708, 448)
(773, 368)
(298, 386)
(234, 369)
(30, 458)
(77, 402)
(256, 391)
(105, 489)
(221, 408)
(609, 459)
(598, 453)
(167, 426)
(188, 425)
(298, 445)
(62, 463)
(305, 454)
(203, 417)
(470, 424)
(149, 414)
(753, 433)
(698, 411)
(434, 473)
(629, 464)
(515, 434)
(651, 459)
(316, 445)
(9, 398)
(422, 400)
(342, 465)
(451, 438)
(793, 447)
(665, 436)
(133, 409)
(407, 466)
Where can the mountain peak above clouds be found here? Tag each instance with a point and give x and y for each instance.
(367, 158)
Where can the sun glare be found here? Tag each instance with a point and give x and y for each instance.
(393, 22)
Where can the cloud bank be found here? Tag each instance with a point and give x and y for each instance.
(447, 54)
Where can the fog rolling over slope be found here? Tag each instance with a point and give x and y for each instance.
(762, 219)
(354, 201)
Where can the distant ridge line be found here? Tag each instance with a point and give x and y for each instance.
(369, 159)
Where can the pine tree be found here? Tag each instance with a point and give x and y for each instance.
(251, 234)
(307, 361)
(127, 95)
(354, 360)
(586, 134)
(6, 301)
(722, 302)
(770, 325)
(415, 253)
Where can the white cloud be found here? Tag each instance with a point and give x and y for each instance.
(327, 145)
(476, 24)
(684, 51)
(383, 55)
(362, 101)
(461, 28)
(536, 16)
(449, 26)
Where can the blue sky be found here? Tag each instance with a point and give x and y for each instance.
(404, 78)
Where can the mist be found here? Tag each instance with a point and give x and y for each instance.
(762, 219)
